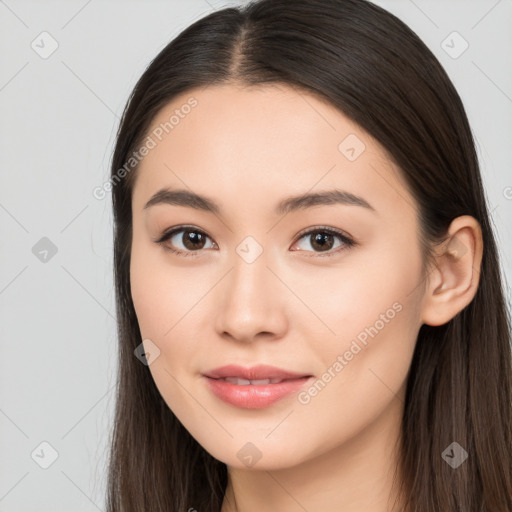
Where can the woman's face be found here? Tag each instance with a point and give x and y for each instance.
(258, 284)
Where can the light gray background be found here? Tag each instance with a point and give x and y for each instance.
(58, 120)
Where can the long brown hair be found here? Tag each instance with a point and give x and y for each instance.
(373, 68)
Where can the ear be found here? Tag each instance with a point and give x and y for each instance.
(453, 282)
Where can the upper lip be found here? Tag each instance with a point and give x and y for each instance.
(258, 372)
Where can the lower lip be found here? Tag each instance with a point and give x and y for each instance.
(254, 396)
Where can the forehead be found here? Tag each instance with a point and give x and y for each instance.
(271, 141)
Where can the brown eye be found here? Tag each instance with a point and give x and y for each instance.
(187, 240)
(184, 241)
(323, 240)
(193, 240)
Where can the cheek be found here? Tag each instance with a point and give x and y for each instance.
(145, 296)
(156, 289)
(374, 320)
(365, 371)
(366, 289)
(166, 301)
(160, 315)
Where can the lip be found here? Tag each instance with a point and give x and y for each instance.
(258, 372)
(254, 396)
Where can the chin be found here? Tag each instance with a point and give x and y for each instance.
(255, 455)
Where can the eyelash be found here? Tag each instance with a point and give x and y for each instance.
(349, 242)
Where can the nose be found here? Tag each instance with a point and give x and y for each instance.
(251, 302)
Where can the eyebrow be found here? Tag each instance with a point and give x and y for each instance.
(287, 205)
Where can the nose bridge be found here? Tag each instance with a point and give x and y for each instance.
(249, 304)
(249, 267)
(249, 279)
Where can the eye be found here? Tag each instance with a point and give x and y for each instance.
(323, 239)
(193, 240)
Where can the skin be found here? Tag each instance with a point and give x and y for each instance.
(248, 148)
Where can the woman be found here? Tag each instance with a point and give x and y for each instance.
(309, 302)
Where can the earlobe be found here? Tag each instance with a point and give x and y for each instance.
(454, 281)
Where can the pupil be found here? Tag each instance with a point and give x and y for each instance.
(192, 239)
(320, 240)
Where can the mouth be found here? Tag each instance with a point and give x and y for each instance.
(259, 374)
(254, 394)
